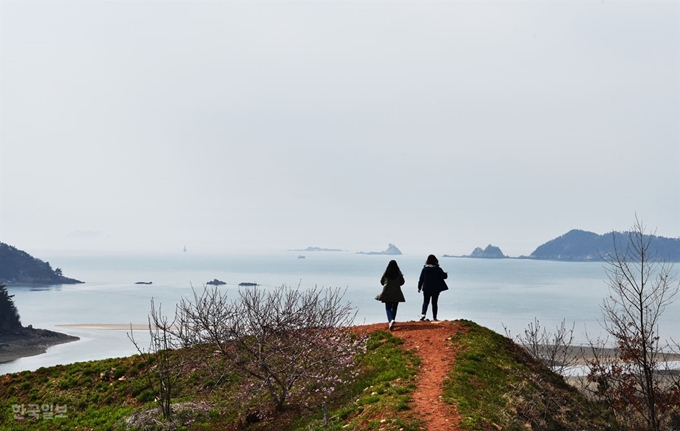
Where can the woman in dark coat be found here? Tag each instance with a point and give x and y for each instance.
(431, 283)
(391, 295)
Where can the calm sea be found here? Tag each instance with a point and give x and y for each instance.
(498, 294)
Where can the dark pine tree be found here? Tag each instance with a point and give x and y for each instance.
(9, 315)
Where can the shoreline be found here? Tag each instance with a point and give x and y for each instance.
(28, 342)
(106, 326)
(581, 355)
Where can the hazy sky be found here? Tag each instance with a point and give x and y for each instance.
(438, 126)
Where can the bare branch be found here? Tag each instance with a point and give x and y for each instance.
(641, 286)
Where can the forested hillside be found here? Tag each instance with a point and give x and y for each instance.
(580, 245)
(19, 267)
(9, 315)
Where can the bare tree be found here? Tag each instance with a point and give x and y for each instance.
(641, 286)
(287, 343)
(554, 349)
(167, 365)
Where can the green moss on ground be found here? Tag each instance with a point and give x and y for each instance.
(496, 384)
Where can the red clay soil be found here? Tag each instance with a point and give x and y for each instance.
(429, 341)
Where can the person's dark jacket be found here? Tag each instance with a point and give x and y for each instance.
(432, 279)
(391, 290)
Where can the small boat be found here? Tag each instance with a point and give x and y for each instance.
(301, 257)
(144, 282)
(248, 283)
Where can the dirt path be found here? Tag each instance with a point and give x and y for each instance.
(429, 340)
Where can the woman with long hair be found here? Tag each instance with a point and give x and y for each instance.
(431, 283)
(391, 294)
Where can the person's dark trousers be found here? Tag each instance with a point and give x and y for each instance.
(426, 302)
(391, 310)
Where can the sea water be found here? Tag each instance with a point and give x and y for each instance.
(505, 295)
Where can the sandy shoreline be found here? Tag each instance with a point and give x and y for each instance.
(582, 355)
(107, 326)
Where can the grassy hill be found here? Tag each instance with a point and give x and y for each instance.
(497, 385)
(494, 384)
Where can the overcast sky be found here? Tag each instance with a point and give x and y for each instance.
(438, 126)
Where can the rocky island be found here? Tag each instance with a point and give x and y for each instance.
(391, 250)
(490, 252)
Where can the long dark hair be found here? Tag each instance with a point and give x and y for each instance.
(392, 270)
(432, 260)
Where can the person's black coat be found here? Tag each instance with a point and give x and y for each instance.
(432, 279)
(391, 290)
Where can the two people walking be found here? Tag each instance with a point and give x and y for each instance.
(431, 283)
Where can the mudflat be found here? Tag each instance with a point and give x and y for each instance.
(29, 342)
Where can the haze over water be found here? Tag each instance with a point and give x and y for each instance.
(497, 294)
(439, 126)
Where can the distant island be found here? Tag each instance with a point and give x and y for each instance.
(216, 282)
(318, 249)
(490, 252)
(19, 267)
(391, 250)
(582, 246)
